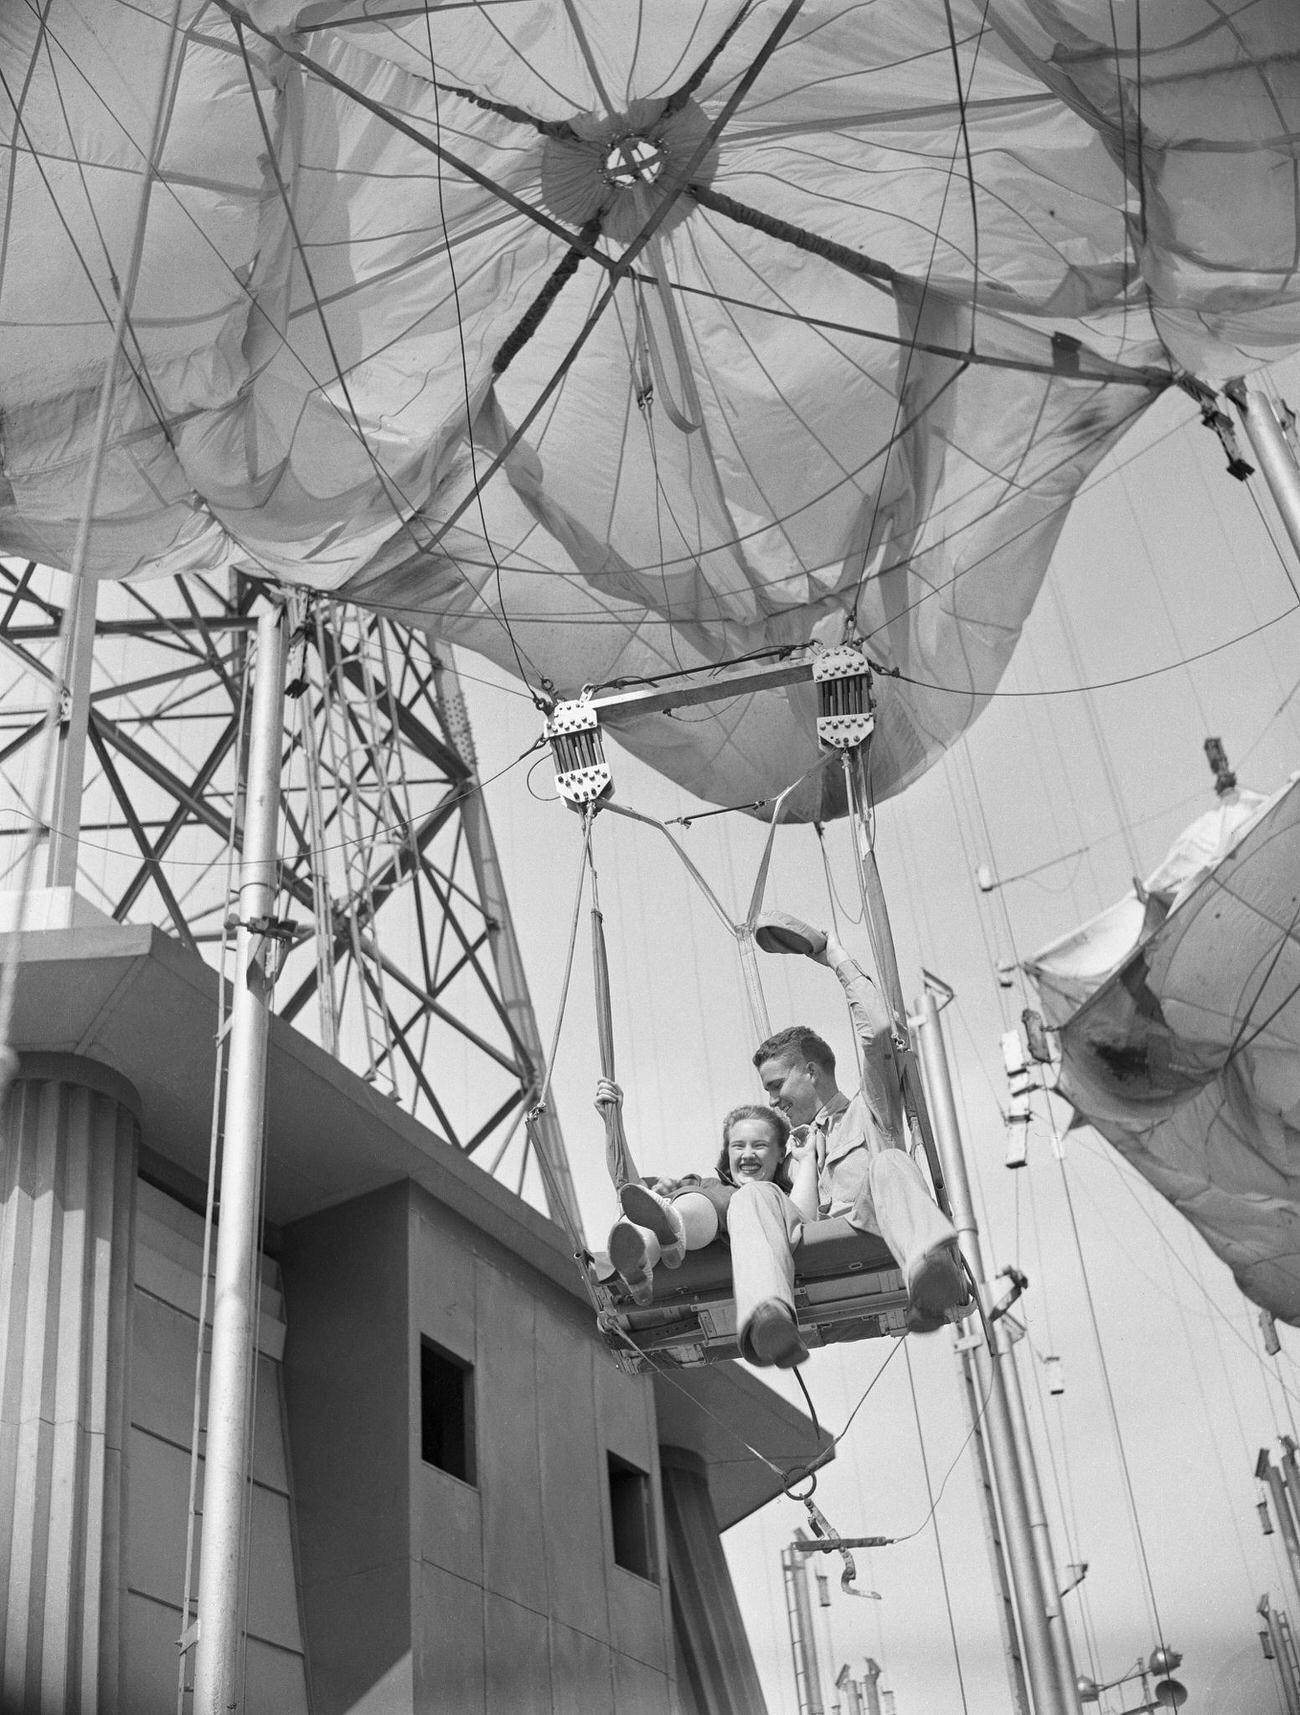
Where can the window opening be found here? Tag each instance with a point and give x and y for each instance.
(631, 1514)
(446, 1412)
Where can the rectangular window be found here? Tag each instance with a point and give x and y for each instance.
(631, 1511)
(446, 1412)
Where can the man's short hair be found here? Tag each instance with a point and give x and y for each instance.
(802, 1043)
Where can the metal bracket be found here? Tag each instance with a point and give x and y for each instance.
(846, 709)
(1019, 1283)
(273, 928)
(582, 776)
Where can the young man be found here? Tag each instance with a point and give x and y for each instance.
(865, 1173)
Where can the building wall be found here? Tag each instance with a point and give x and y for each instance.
(347, 1392)
(512, 1600)
(168, 1253)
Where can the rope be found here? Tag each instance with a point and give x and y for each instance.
(533, 317)
(666, 1373)
(970, 177)
(865, 267)
(503, 109)
(938, 1540)
(857, 779)
(618, 1157)
(741, 931)
(1115, 375)
(812, 1409)
(975, 1421)
(697, 77)
(716, 905)
(616, 270)
(848, 1422)
(243, 21)
(1148, 1588)
(851, 261)
(472, 411)
(570, 1219)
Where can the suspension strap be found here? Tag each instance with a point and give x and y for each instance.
(558, 1194)
(618, 1157)
(876, 917)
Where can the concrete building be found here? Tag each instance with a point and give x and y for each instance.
(459, 1502)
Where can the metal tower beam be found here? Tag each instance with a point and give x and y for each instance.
(403, 958)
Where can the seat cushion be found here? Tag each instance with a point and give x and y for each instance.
(828, 1248)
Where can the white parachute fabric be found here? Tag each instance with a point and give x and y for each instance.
(1187, 1057)
(1070, 970)
(404, 327)
(1167, 89)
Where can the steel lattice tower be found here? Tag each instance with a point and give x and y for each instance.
(397, 949)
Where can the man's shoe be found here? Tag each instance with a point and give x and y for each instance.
(648, 1209)
(778, 932)
(630, 1255)
(773, 1337)
(937, 1285)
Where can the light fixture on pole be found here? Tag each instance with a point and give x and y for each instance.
(1165, 1693)
(987, 882)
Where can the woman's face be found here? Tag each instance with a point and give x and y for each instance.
(752, 1150)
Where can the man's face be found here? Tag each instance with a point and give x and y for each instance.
(791, 1087)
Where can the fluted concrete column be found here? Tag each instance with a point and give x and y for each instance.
(706, 1615)
(69, 1139)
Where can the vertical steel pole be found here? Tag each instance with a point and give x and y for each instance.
(1273, 452)
(1047, 1572)
(1285, 1671)
(1284, 1632)
(872, 1686)
(846, 1683)
(74, 724)
(1291, 1472)
(993, 1535)
(228, 1455)
(1051, 1693)
(803, 1645)
(1269, 1473)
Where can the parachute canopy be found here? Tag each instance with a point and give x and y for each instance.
(1183, 1047)
(608, 338)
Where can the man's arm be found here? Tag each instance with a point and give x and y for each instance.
(610, 1094)
(803, 1179)
(874, 1027)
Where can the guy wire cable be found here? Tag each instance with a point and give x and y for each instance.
(938, 1539)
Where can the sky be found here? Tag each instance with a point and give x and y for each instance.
(1173, 593)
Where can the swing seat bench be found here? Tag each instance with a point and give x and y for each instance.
(847, 1287)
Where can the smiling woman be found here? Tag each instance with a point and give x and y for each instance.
(754, 1142)
(660, 1223)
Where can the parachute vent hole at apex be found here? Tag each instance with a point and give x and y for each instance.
(634, 161)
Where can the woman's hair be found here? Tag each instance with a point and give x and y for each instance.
(780, 1129)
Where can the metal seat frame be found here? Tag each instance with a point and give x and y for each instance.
(847, 1287)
